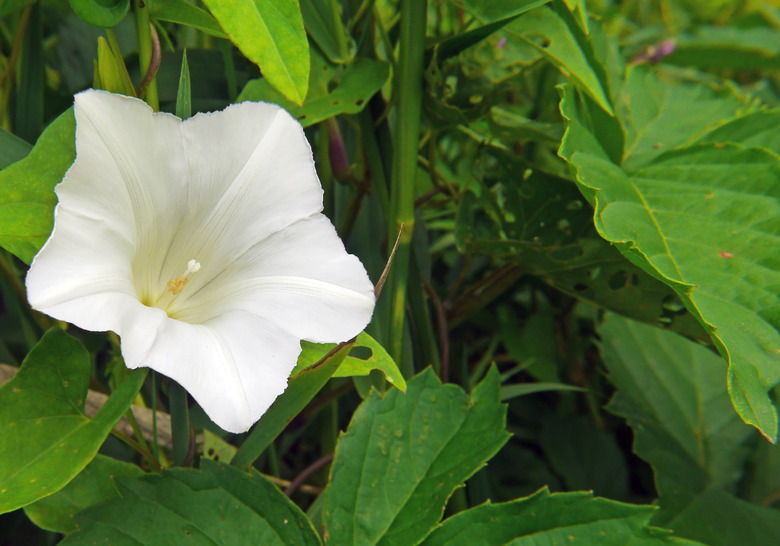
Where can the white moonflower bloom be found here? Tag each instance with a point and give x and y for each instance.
(202, 245)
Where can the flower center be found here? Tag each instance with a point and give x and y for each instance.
(177, 285)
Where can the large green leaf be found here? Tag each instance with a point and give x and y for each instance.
(354, 86)
(541, 222)
(403, 455)
(673, 395)
(755, 130)
(45, 438)
(560, 518)
(704, 220)
(93, 485)
(217, 504)
(27, 197)
(270, 33)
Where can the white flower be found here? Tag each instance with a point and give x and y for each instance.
(202, 244)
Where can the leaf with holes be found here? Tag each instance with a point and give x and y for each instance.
(404, 454)
(354, 86)
(45, 438)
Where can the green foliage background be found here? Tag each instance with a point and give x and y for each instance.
(579, 338)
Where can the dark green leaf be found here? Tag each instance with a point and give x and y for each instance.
(322, 19)
(93, 485)
(403, 455)
(270, 34)
(754, 130)
(184, 95)
(101, 13)
(27, 198)
(45, 438)
(217, 504)
(12, 148)
(673, 394)
(561, 518)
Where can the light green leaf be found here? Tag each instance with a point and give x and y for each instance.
(92, 486)
(322, 19)
(672, 393)
(560, 518)
(217, 504)
(270, 33)
(12, 148)
(45, 438)
(754, 130)
(27, 197)
(185, 13)
(356, 85)
(403, 455)
(101, 13)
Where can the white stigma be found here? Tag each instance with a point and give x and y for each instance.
(177, 285)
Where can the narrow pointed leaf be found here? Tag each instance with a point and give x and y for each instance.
(271, 34)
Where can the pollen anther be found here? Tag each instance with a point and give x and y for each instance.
(176, 285)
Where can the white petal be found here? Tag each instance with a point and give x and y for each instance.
(82, 272)
(234, 366)
(301, 278)
(251, 173)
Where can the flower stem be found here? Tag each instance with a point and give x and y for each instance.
(143, 31)
(180, 422)
(408, 87)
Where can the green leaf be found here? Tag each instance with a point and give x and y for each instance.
(754, 130)
(728, 47)
(93, 485)
(702, 219)
(560, 518)
(522, 389)
(27, 199)
(404, 454)
(658, 117)
(489, 11)
(672, 393)
(101, 13)
(217, 504)
(184, 94)
(184, 13)
(45, 438)
(9, 6)
(271, 34)
(12, 148)
(356, 85)
(563, 43)
(322, 19)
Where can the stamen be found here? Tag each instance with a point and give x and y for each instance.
(177, 285)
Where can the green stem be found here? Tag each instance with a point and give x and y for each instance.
(408, 89)
(143, 32)
(180, 422)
